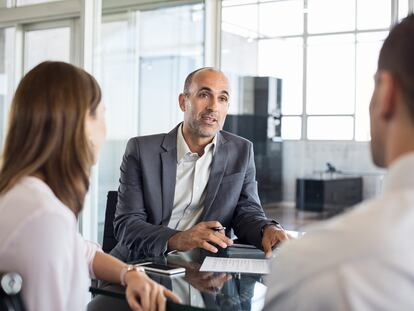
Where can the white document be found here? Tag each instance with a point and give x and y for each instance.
(242, 265)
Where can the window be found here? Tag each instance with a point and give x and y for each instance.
(46, 44)
(145, 57)
(330, 128)
(282, 18)
(283, 58)
(325, 52)
(7, 59)
(140, 58)
(403, 8)
(367, 49)
(330, 16)
(380, 20)
(330, 75)
(14, 3)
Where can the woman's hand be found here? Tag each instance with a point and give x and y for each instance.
(151, 295)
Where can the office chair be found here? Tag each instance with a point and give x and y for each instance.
(10, 286)
(109, 240)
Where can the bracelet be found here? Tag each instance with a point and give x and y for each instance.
(127, 269)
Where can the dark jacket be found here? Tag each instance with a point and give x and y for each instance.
(147, 186)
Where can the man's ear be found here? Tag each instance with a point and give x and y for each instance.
(387, 88)
(181, 101)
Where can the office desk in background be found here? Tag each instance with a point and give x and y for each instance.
(197, 290)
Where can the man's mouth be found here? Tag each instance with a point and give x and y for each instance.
(208, 119)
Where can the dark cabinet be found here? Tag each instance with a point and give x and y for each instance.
(259, 122)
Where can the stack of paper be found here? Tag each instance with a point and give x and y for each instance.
(241, 265)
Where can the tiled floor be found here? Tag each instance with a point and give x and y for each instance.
(290, 218)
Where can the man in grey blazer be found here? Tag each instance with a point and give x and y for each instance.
(188, 188)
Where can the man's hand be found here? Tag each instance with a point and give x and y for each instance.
(201, 235)
(272, 235)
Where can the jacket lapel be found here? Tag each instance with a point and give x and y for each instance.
(169, 171)
(218, 168)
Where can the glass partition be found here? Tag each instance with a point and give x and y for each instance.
(145, 57)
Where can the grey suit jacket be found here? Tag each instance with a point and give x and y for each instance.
(147, 186)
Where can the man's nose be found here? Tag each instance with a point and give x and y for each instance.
(213, 103)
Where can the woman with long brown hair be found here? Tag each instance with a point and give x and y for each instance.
(56, 129)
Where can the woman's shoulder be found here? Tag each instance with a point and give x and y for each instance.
(32, 204)
(32, 195)
(41, 242)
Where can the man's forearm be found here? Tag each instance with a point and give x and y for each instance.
(136, 234)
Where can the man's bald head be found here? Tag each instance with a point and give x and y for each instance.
(190, 77)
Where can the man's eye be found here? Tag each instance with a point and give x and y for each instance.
(224, 99)
(203, 95)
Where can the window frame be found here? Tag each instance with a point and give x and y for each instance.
(305, 36)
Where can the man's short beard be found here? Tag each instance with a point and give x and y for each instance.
(198, 131)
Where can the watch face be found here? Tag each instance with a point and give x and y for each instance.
(139, 269)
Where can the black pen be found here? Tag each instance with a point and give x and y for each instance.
(218, 228)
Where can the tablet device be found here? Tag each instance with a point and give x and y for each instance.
(161, 268)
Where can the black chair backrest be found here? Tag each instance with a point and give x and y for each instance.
(10, 286)
(109, 240)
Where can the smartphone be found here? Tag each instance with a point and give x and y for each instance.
(161, 268)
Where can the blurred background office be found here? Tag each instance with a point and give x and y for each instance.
(301, 73)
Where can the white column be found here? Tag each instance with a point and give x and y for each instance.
(212, 33)
(91, 12)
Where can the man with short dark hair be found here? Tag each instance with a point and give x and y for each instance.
(364, 259)
(188, 188)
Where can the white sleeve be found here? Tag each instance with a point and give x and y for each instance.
(90, 251)
(319, 292)
(45, 255)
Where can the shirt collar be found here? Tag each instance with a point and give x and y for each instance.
(400, 174)
(183, 149)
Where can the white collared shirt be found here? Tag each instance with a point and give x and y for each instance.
(363, 260)
(39, 239)
(191, 180)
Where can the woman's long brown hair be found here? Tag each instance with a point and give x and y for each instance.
(46, 135)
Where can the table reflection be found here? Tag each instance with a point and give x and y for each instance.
(204, 290)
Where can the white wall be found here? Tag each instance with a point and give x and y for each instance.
(302, 158)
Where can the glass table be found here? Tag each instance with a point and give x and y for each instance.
(197, 290)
